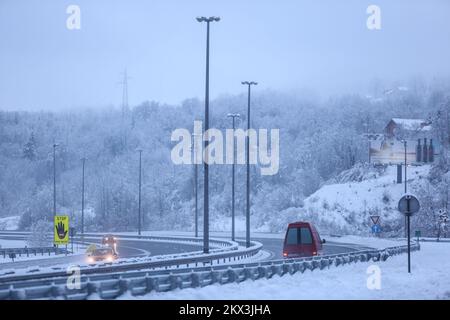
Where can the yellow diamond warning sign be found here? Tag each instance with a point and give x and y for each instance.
(61, 230)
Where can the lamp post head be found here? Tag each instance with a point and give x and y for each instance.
(210, 19)
(249, 83)
(233, 115)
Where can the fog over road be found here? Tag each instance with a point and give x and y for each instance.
(129, 248)
(275, 247)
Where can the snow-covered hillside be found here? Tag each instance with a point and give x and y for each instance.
(428, 280)
(344, 205)
(9, 223)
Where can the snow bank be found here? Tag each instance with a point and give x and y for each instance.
(79, 251)
(376, 243)
(9, 223)
(345, 208)
(428, 280)
(223, 223)
(12, 243)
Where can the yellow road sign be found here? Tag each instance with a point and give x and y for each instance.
(61, 230)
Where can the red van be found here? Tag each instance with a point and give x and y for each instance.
(302, 240)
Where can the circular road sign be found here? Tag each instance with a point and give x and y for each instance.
(408, 205)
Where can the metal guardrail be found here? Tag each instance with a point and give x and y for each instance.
(111, 286)
(224, 249)
(434, 240)
(5, 252)
(177, 262)
(216, 245)
(213, 242)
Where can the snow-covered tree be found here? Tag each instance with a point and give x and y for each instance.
(318, 140)
(40, 235)
(29, 150)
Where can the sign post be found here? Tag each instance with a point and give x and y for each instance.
(61, 230)
(72, 233)
(375, 219)
(408, 205)
(418, 235)
(376, 228)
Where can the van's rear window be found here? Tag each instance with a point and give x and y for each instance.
(292, 236)
(299, 236)
(305, 236)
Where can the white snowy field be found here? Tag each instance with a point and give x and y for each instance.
(344, 207)
(429, 280)
(4, 243)
(373, 242)
(223, 224)
(9, 223)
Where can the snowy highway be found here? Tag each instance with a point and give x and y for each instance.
(275, 247)
(127, 248)
(130, 248)
(135, 282)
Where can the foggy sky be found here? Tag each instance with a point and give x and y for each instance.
(284, 45)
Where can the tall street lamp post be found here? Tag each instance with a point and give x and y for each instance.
(406, 188)
(405, 144)
(195, 151)
(54, 178)
(82, 197)
(249, 84)
(233, 116)
(140, 187)
(206, 173)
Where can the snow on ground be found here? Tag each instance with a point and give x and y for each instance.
(260, 256)
(38, 256)
(12, 243)
(240, 234)
(9, 223)
(428, 280)
(372, 242)
(78, 259)
(78, 250)
(345, 206)
(223, 223)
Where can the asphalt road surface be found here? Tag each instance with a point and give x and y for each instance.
(275, 247)
(127, 248)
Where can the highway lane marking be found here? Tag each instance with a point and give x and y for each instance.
(144, 252)
(348, 245)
